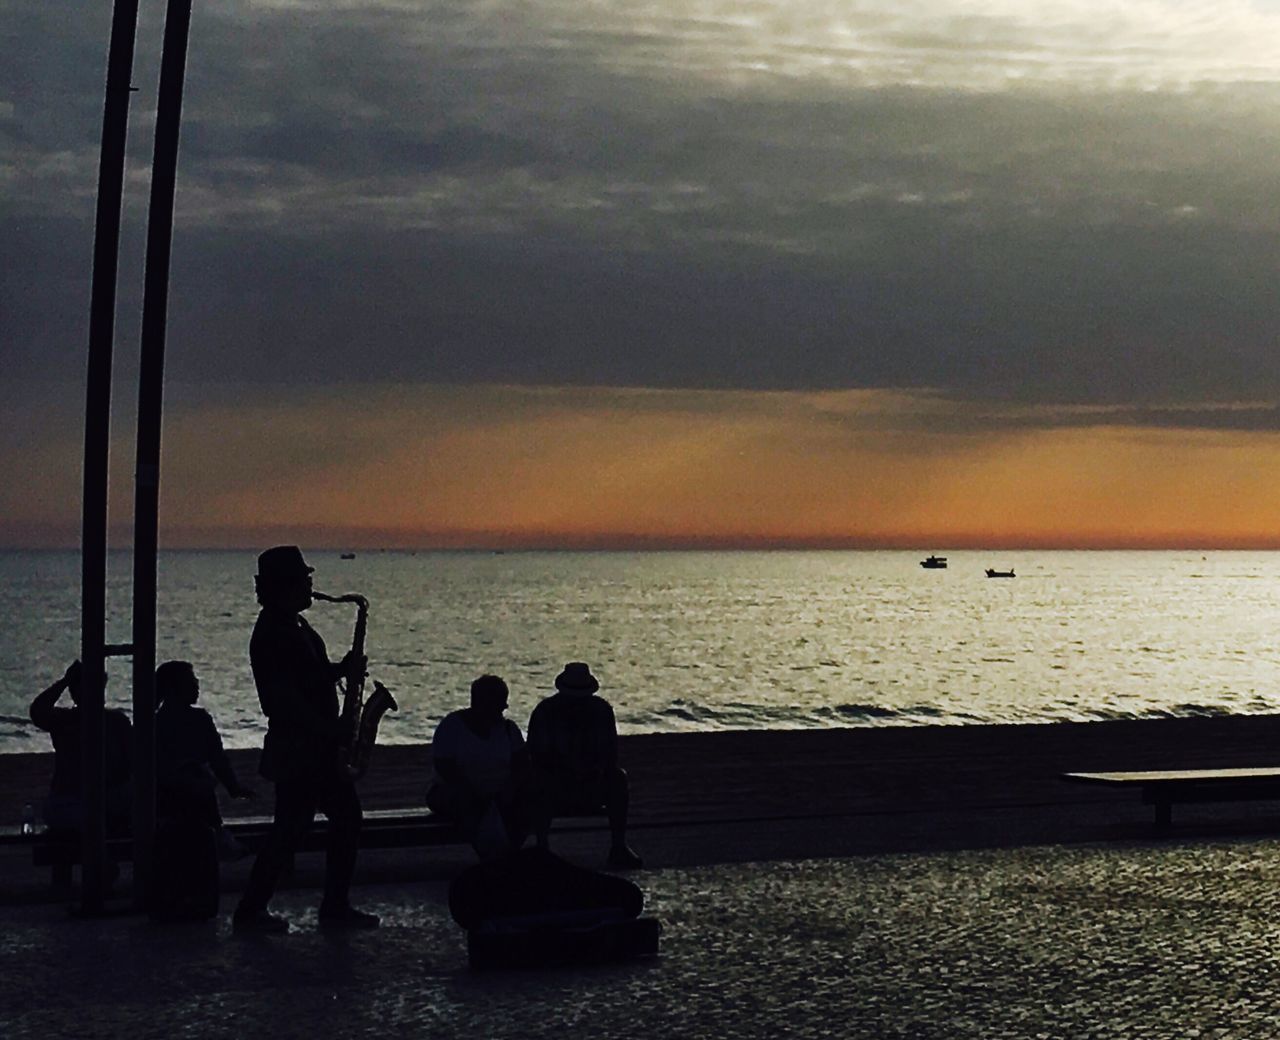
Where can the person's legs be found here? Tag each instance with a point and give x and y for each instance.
(577, 796)
(458, 804)
(341, 804)
(188, 803)
(204, 803)
(295, 808)
(563, 794)
(521, 811)
(542, 804)
(617, 804)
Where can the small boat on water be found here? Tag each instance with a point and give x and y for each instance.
(934, 563)
(348, 556)
(1000, 574)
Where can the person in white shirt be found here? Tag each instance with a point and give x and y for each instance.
(482, 773)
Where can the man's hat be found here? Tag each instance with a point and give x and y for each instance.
(282, 563)
(577, 678)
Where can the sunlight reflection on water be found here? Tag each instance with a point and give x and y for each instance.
(701, 640)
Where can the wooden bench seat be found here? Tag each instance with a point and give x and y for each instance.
(1163, 788)
(381, 829)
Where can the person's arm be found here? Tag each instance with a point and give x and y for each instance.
(604, 737)
(444, 752)
(539, 746)
(352, 668)
(608, 738)
(521, 762)
(119, 746)
(221, 764)
(46, 702)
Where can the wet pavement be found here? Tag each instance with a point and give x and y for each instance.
(1169, 940)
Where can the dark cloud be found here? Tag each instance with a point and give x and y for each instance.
(453, 192)
(948, 414)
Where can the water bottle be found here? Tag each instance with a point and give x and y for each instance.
(28, 819)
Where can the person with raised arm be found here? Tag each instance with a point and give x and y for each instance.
(64, 809)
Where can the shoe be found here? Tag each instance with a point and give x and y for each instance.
(347, 917)
(623, 857)
(258, 921)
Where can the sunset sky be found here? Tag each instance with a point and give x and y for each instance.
(760, 272)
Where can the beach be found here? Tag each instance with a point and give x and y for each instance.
(912, 882)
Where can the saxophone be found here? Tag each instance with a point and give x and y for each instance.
(360, 718)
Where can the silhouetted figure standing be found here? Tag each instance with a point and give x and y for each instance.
(301, 752)
(189, 836)
(190, 760)
(64, 809)
(573, 740)
(482, 772)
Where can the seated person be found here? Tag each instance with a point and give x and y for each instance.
(190, 759)
(64, 809)
(482, 772)
(573, 741)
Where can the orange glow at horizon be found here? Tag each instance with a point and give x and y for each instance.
(501, 466)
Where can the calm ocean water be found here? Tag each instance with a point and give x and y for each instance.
(710, 640)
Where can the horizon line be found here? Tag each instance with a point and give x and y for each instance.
(706, 544)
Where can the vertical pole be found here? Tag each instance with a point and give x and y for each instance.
(97, 432)
(146, 519)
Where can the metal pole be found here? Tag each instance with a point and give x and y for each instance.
(97, 432)
(146, 520)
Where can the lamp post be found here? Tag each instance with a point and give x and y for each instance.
(146, 519)
(97, 433)
(106, 250)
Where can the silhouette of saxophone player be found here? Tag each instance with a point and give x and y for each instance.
(300, 754)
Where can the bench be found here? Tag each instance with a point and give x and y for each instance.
(1165, 787)
(381, 829)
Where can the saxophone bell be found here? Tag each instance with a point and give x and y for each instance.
(379, 703)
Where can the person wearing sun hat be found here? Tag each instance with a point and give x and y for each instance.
(573, 741)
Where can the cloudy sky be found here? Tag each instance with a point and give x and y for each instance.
(909, 272)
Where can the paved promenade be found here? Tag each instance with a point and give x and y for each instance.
(1170, 941)
(939, 883)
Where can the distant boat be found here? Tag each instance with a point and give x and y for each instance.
(1000, 574)
(348, 556)
(934, 563)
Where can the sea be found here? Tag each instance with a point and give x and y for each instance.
(706, 640)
